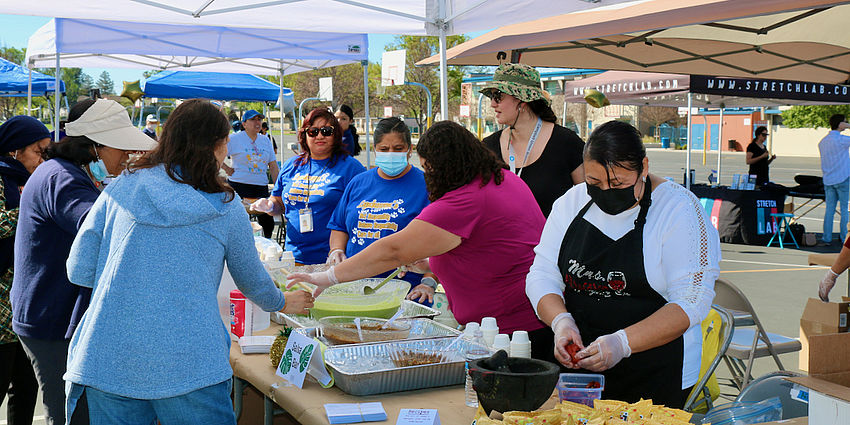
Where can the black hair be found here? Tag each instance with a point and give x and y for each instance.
(337, 148)
(265, 125)
(836, 120)
(76, 149)
(760, 129)
(392, 125)
(542, 109)
(616, 144)
(454, 157)
(345, 109)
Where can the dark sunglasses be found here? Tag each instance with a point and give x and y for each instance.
(764, 134)
(326, 131)
(496, 95)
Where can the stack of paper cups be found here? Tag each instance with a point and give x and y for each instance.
(502, 342)
(489, 329)
(520, 345)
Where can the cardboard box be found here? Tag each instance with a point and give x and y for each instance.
(829, 379)
(820, 318)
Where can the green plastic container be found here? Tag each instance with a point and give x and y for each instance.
(347, 299)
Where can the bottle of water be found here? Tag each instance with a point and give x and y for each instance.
(475, 349)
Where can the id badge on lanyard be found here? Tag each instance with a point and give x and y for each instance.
(531, 140)
(305, 220)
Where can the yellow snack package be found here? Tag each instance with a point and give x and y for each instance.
(666, 414)
(617, 421)
(481, 418)
(575, 412)
(610, 408)
(637, 411)
(543, 417)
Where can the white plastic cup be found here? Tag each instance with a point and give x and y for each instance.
(520, 337)
(470, 328)
(488, 323)
(489, 335)
(502, 342)
(520, 345)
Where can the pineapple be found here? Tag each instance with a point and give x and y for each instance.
(279, 345)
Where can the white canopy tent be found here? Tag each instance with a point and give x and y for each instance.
(116, 44)
(412, 17)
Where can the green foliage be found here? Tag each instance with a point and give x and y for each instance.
(814, 116)
(104, 83)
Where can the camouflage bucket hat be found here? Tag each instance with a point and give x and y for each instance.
(518, 80)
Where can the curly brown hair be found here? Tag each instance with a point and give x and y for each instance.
(188, 142)
(338, 148)
(455, 157)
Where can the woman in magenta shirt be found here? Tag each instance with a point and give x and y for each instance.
(479, 231)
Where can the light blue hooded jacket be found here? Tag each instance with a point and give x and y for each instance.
(153, 251)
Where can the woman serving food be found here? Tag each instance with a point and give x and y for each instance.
(625, 271)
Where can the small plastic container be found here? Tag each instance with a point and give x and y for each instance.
(580, 387)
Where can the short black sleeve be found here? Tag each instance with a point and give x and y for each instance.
(760, 168)
(550, 176)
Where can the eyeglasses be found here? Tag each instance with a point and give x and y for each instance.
(496, 95)
(764, 134)
(326, 131)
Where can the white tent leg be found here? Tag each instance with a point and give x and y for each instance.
(444, 79)
(29, 93)
(280, 145)
(719, 145)
(56, 102)
(366, 103)
(688, 159)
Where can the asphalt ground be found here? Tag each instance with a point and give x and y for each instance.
(776, 281)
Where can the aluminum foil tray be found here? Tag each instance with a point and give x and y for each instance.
(365, 369)
(411, 310)
(419, 329)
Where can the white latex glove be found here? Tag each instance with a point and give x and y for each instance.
(605, 352)
(419, 266)
(826, 285)
(566, 332)
(335, 257)
(322, 280)
(264, 205)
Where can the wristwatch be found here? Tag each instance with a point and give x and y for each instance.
(429, 282)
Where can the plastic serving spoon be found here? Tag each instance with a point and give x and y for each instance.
(359, 332)
(367, 290)
(392, 319)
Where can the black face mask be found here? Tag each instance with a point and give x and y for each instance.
(612, 201)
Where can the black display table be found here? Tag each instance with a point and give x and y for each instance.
(741, 216)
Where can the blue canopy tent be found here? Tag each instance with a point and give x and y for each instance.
(213, 85)
(14, 80)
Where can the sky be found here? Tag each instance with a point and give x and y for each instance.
(17, 29)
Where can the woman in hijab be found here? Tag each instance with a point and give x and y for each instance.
(23, 140)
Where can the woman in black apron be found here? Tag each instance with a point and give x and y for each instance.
(625, 328)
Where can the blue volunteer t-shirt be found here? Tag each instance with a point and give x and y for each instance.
(323, 182)
(373, 207)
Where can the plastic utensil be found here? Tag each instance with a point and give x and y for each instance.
(392, 319)
(359, 331)
(369, 290)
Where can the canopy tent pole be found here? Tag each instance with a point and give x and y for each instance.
(29, 93)
(427, 100)
(280, 145)
(366, 107)
(688, 158)
(480, 103)
(719, 145)
(56, 101)
(444, 80)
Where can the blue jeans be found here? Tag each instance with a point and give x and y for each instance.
(836, 193)
(209, 406)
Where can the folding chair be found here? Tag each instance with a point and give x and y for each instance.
(716, 337)
(749, 343)
(774, 385)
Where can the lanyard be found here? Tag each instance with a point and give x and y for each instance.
(512, 154)
(309, 182)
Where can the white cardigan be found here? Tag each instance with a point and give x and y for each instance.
(681, 255)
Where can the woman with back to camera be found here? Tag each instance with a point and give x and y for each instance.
(479, 232)
(152, 250)
(23, 140)
(381, 202)
(350, 138)
(545, 155)
(310, 186)
(625, 269)
(46, 307)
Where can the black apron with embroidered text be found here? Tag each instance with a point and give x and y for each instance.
(607, 290)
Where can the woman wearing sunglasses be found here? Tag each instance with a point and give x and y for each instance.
(310, 186)
(546, 156)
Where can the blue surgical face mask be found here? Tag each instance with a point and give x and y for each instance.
(391, 163)
(98, 168)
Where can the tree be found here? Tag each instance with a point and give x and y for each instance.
(105, 84)
(657, 115)
(86, 83)
(814, 116)
(413, 98)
